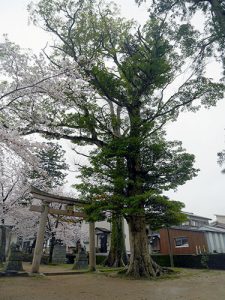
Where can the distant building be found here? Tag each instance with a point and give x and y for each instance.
(102, 239)
(179, 240)
(195, 221)
(220, 222)
(194, 236)
(103, 236)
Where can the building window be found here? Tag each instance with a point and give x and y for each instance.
(187, 223)
(181, 242)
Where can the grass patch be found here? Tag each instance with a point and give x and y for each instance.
(63, 266)
(108, 270)
(2, 267)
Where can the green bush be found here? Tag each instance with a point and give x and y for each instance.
(205, 260)
(100, 259)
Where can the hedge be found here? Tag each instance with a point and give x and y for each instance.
(211, 261)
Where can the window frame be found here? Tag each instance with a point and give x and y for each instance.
(183, 244)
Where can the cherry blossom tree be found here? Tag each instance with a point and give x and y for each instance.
(27, 81)
(15, 200)
(14, 189)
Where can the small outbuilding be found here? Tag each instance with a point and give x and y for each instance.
(215, 238)
(180, 240)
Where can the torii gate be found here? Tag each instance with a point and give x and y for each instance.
(44, 209)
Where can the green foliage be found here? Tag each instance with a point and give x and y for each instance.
(164, 166)
(125, 65)
(53, 164)
(205, 260)
(212, 40)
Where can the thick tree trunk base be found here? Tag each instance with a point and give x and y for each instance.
(142, 270)
(114, 261)
(141, 265)
(158, 271)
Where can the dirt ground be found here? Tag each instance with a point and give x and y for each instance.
(188, 285)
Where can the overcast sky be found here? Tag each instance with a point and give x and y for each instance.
(202, 133)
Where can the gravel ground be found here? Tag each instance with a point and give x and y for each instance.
(189, 285)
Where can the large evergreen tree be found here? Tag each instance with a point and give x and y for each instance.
(128, 68)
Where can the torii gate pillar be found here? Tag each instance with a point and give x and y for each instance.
(40, 239)
(92, 256)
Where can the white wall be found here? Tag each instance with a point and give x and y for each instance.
(216, 242)
(220, 219)
(102, 224)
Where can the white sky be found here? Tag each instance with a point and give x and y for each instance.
(202, 133)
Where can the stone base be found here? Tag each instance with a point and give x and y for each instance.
(81, 261)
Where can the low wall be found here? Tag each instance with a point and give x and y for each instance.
(211, 261)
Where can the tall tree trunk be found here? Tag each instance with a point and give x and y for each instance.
(117, 255)
(51, 247)
(53, 239)
(141, 264)
(3, 244)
